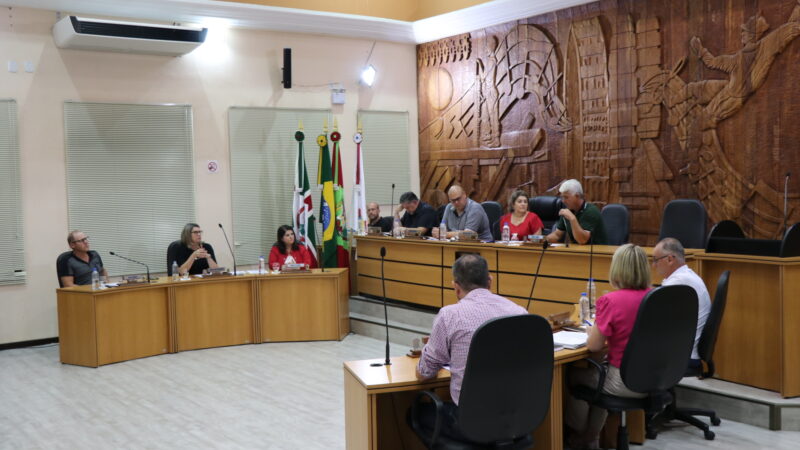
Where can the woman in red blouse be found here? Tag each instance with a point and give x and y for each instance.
(521, 221)
(286, 250)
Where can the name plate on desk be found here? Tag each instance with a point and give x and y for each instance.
(413, 233)
(467, 236)
(294, 268)
(374, 231)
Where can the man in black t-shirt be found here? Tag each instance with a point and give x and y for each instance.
(375, 219)
(75, 268)
(418, 214)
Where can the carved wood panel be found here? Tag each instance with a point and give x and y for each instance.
(642, 101)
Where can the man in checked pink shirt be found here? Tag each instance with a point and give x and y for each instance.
(455, 324)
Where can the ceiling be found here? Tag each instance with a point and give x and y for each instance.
(276, 18)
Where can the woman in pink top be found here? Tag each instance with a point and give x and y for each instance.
(521, 221)
(616, 315)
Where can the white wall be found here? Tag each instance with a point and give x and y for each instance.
(234, 68)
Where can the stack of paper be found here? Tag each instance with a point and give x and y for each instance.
(570, 339)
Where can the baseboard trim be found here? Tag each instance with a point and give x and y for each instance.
(31, 343)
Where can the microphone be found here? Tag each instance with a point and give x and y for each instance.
(392, 204)
(591, 279)
(786, 201)
(133, 261)
(229, 247)
(388, 362)
(536, 275)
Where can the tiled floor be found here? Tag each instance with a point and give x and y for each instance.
(275, 396)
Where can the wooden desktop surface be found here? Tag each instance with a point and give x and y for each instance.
(128, 322)
(377, 398)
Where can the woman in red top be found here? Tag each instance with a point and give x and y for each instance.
(521, 221)
(286, 250)
(616, 315)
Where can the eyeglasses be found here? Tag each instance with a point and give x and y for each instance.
(453, 200)
(81, 241)
(197, 232)
(655, 260)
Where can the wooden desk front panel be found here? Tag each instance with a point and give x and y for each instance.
(748, 349)
(413, 293)
(790, 286)
(452, 250)
(398, 271)
(77, 337)
(132, 324)
(299, 311)
(406, 250)
(214, 314)
(555, 289)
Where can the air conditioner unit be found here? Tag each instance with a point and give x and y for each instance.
(131, 37)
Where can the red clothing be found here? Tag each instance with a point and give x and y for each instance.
(301, 256)
(616, 314)
(530, 225)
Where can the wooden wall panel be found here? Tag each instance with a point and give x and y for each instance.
(642, 101)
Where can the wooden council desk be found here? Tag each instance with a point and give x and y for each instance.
(128, 322)
(758, 339)
(376, 400)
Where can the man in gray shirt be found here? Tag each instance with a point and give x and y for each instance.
(463, 214)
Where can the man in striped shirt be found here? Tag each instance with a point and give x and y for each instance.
(455, 324)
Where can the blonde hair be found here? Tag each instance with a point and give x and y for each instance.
(629, 268)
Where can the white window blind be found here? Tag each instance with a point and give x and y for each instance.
(385, 153)
(263, 159)
(130, 179)
(12, 264)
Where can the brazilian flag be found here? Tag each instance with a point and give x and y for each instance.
(327, 204)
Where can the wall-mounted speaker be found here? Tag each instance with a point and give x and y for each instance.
(287, 68)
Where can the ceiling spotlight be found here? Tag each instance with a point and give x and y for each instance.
(368, 75)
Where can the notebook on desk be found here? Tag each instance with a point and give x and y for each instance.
(569, 339)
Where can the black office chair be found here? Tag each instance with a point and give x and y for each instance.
(616, 221)
(494, 211)
(546, 207)
(708, 339)
(655, 358)
(440, 213)
(505, 393)
(172, 252)
(685, 220)
(60, 261)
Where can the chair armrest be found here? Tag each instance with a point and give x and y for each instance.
(438, 421)
(602, 371)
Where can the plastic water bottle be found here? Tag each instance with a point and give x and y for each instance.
(506, 233)
(591, 288)
(584, 303)
(175, 275)
(443, 231)
(262, 265)
(396, 228)
(95, 280)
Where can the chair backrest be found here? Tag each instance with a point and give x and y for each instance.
(172, 251)
(661, 342)
(494, 212)
(790, 244)
(708, 338)
(685, 220)
(616, 221)
(546, 207)
(440, 213)
(62, 258)
(505, 393)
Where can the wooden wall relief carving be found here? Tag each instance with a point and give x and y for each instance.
(496, 121)
(641, 111)
(696, 108)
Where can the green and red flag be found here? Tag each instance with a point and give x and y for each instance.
(342, 245)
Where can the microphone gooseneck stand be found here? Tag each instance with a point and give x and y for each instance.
(388, 362)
